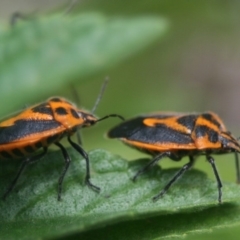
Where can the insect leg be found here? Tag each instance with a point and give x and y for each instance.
(175, 178)
(79, 138)
(150, 164)
(77, 100)
(79, 149)
(237, 167)
(211, 161)
(27, 161)
(67, 163)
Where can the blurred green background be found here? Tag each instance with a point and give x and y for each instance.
(194, 68)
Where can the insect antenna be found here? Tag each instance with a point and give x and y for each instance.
(111, 115)
(70, 7)
(98, 100)
(100, 94)
(15, 17)
(77, 100)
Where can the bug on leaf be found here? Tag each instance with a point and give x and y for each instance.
(41, 125)
(176, 135)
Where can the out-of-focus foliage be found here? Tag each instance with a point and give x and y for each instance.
(46, 53)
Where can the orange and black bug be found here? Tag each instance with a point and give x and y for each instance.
(175, 135)
(41, 125)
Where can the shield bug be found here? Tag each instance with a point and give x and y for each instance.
(176, 135)
(41, 125)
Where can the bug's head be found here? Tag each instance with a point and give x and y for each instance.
(230, 142)
(238, 144)
(88, 118)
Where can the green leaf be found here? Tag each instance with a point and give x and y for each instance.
(32, 208)
(40, 55)
(171, 226)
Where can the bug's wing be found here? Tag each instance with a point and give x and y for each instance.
(162, 133)
(146, 130)
(34, 122)
(27, 129)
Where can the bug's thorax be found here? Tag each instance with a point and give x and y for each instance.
(69, 115)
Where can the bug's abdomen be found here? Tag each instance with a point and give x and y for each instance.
(24, 148)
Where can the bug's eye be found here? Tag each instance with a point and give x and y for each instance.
(92, 122)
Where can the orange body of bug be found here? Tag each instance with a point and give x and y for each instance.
(176, 135)
(40, 126)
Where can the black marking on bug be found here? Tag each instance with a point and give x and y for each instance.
(74, 113)
(211, 119)
(213, 136)
(52, 138)
(18, 152)
(55, 99)
(188, 121)
(136, 130)
(225, 141)
(29, 149)
(61, 111)
(201, 131)
(5, 154)
(161, 133)
(23, 128)
(43, 108)
(38, 145)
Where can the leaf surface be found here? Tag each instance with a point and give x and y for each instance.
(32, 208)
